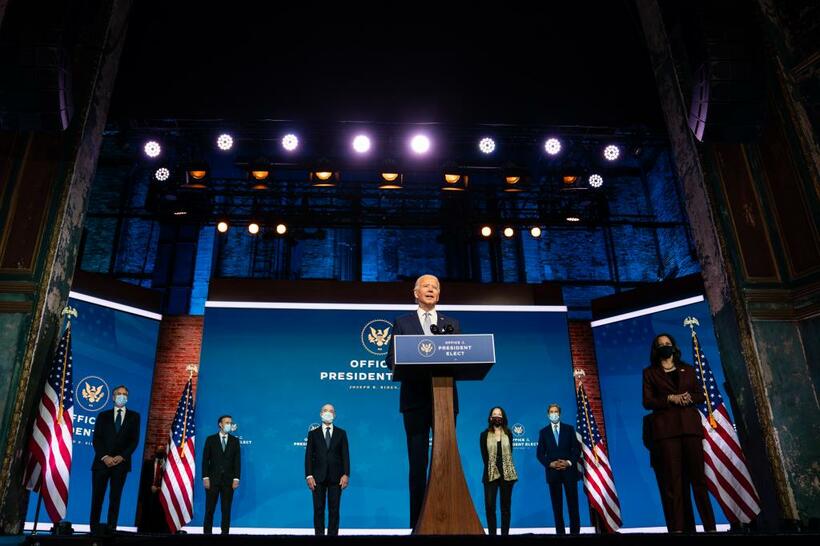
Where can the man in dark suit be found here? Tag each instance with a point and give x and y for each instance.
(221, 466)
(327, 470)
(116, 435)
(416, 396)
(151, 517)
(558, 451)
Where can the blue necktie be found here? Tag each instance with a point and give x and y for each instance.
(224, 442)
(555, 433)
(327, 437)
(118, 421)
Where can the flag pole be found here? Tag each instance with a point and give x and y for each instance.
(37, 510)
(691, 322)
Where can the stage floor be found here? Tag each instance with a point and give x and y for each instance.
(631, 539)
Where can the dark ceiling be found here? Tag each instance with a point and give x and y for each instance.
(551, 63)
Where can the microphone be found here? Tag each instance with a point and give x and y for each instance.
(438, 331)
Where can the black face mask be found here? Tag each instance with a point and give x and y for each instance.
(664, 351)
(496, 421)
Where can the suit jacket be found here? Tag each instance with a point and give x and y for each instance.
(485, 454)
(323, 463)
(669, 420)
(221, 467)
(107, 441)
(417, 391)
(566, 449)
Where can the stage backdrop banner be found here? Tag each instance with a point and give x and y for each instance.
(622, 350)
(112, 344)
(272, 368)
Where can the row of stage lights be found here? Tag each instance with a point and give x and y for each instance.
(254, 228)
(391, 179)
(420, 144)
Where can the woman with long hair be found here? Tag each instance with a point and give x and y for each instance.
(496, 444)
(671, 390)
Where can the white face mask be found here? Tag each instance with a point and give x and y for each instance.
(327, 417)
(554, 417)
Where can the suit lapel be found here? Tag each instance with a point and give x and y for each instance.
(416, 322)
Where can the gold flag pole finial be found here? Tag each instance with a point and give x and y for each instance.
(691, 322)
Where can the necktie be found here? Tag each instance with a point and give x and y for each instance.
(224, 442)
(426, 324)
(118, 421)
(555, 433)
(327, 437)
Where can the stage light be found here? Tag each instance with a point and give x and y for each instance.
(180, 213)
(261, 174)
(596, 180)
(152, 148)
(420, 144)
(253, 228)
(509, 232)
(486, 145)
(198, 175)
(222, 227)
(573, 219)
(512, 180)
(224, 142)
(535, 232)
(612, 152)
(281, 229)
(162, 174)
(569, 179)
(552, 146)
(290, 142)
(454, 180)
(486, 231)
(361, 144)
(324, 175)
(395, 182)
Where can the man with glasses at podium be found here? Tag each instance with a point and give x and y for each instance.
(416, 396)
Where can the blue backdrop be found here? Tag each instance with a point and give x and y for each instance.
(273, 369)
(622, 350)
(110, 348)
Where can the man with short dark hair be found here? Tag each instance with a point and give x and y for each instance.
(559, 452)
(116, 435)
(221, 466)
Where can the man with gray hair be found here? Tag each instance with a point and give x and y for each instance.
(416, 397)
(327, 470)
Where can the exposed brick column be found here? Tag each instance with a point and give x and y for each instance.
(180, 341)
(582, 348)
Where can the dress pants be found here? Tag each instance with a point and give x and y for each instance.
(212, 494)
(681, 464)
(417, 425)
(490, 494)
(571, 489)
(99, 482)
(333, 493)
(688, 514)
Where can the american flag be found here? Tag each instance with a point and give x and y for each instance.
(598, 480)
(177, 490)
(726, 473)
(50, 448)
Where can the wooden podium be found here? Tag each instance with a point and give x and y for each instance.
(448, 507)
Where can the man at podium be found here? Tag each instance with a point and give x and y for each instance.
(416, 396)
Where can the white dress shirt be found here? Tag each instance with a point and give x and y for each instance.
(433, 317)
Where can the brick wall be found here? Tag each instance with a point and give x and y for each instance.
(180, 340)
(583, 358)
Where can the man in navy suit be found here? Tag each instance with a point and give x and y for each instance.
(558, 451)
(116, 435)
(327, 470)
(416, 396)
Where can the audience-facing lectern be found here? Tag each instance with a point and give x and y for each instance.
(448, 508)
